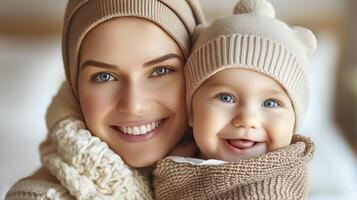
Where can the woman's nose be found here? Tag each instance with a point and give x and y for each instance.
(133, 100)
(246, 118)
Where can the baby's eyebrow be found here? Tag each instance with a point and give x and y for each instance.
(273, 92)
(97, 64)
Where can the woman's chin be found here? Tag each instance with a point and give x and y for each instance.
(145, 161)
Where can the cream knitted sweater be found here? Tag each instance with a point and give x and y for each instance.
(278, 175)
(86, 168)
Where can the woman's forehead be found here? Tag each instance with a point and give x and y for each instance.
(130, 31)
(128, 39)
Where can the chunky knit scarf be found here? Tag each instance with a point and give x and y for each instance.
(88, 168)
(280, 174)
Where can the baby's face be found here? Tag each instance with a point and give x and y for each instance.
(241, 114)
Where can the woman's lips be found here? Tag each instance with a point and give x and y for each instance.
(138, 137)
(140, 129)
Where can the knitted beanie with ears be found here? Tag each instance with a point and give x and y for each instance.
(178, 18)
(253, 39)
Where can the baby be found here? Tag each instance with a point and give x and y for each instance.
(247, 95)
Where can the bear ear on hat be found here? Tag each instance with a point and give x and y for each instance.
(198, 30)
(263, 7)
(306, 38)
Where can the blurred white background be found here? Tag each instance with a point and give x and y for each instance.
(31, 71)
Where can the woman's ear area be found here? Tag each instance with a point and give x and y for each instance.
(306, 38)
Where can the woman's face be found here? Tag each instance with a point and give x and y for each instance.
(131, 89)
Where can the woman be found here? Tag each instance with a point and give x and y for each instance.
(124, 66)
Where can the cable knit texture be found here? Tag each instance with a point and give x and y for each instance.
(278, 175)
(88, 168)
(37, 190)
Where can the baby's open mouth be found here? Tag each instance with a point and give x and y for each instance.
(241, 143)
(243, 149)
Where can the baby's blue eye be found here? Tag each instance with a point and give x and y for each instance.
(103, 77)
(227, 98)
(160, 71)
(270, 103)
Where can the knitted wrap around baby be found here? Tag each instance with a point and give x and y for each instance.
(278, 175)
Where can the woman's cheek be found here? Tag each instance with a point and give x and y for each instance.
(96, 102)
(173, 90)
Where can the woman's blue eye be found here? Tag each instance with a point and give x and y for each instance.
(270, 103)
(227, 98)
(161, 71)
(103, 77)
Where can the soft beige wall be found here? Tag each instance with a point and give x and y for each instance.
(316, 14)
(31, 17)
(346, 95)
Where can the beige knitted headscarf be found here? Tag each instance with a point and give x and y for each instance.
(253, 39)
(178, 18)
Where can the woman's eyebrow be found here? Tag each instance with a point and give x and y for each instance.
(163, 58)
(97, 64)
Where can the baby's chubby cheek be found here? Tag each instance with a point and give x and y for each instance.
(280, 141)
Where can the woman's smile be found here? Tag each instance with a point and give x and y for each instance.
(139, 131)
